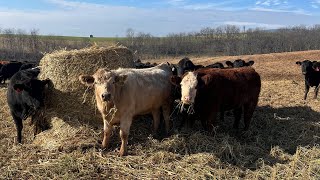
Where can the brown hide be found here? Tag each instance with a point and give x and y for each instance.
(226, 89)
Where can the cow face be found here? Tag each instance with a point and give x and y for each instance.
(189, 88)
(32, 92)
(306, 66)
(109, 88)
(105, 83)
(239, 63)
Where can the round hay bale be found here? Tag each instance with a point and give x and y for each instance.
(69, 100)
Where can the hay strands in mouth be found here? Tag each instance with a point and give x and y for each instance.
(112, 111)
(181, 106)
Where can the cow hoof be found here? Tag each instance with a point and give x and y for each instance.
(122, 153)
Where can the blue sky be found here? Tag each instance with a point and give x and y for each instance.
(158, 17)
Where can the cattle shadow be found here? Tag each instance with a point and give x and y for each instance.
(272, 130)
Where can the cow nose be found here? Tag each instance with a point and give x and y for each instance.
(106, 96)
(186, 99)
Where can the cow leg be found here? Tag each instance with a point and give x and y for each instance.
(248, 112)
(307, 87)
(316, 90)
(237, 116)
(156, 120)
(211, 121)
(183, 116)
(191, 118)
(19, 126)
(166, 115)
(124, 133)
(107, 128)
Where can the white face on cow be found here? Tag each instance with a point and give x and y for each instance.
(105, 82)
(188, 88)
(108, 85)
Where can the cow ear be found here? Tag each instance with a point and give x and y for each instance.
(18, 87)
(46, 81)
(175, 80)
(86, 80)
(120, 79)
(229, 63)
(298, 63)
(250, 63)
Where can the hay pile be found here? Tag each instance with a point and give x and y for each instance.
(67, 104)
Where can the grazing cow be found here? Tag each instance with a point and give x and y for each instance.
(216, 65)
(25, 96)
(311, 73)
(185, 65)
(210, 90)
(124, 93)
(8, 70)
(239, 63)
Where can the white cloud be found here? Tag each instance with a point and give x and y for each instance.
(266, 3)
(315, 4)
(271, 2)
(253, 24)
(295, 11)
(176, 2)
(82, 19)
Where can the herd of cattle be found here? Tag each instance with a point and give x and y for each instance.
(202, 92)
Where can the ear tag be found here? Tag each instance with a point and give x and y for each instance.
(19, 90)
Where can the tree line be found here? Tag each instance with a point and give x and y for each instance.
(225, 40)
(17, 44)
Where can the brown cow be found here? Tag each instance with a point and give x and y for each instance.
(124, 93)
(210, 90)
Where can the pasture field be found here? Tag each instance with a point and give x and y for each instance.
(282, 142)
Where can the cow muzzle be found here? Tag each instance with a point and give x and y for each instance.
(186, 100)
(106, 96)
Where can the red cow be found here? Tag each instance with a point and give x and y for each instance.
(210, 90)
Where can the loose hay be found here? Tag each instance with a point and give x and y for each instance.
(67, 100)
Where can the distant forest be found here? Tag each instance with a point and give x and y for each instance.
(223, 40)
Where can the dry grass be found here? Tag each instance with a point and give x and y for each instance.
(282, 143)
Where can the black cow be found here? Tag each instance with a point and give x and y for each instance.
(8, 70)
(185, 65)
(25, 96)
(311, 73)
(239, 63)
(216, 65)
(26, 66)
(140, 65)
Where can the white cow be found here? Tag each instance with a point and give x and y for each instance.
(124, 93)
